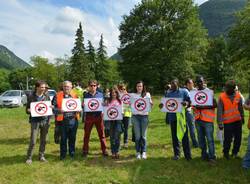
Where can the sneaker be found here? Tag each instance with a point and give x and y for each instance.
(42, 159)
(105, 154)
(176, 157)
(29, 161)
(117, 156)
(138, 156)
(144, 155)
(212, 161)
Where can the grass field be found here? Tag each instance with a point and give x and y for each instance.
(158, 168)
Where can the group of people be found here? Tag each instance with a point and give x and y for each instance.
(230, 118)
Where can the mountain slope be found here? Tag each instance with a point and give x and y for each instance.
(219, 15)
(9, 61)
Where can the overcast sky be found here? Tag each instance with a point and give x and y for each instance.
(47, 27)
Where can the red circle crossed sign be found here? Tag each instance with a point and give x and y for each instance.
(93, 104)
(41, 108)
(140, 104)
(125, 98)
(112, 113)
(171, 105)
(200, 97)
(71, 104)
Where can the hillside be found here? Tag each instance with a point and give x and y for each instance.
(9, 61)
(219, 15)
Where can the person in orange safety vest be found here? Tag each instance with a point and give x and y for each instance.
(230, 117)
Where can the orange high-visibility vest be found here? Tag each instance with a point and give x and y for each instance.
(59, 98)
(207, 115)
(231, 111)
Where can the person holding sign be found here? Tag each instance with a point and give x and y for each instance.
(204, 118)
(93, 118)
(126, 112)
(115, 125)
(37, 123)
(230, 117)
(189, 84)
(67, 120)
(246, 159)
(140, 121)
(176, 118)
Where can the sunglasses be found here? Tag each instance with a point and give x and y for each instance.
(93, 85)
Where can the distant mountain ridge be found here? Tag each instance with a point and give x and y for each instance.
(9, 61)
(218, 16)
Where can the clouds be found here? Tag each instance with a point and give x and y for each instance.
(47, 28)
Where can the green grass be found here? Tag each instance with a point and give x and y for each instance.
(158, 168)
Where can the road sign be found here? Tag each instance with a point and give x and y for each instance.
(171, 105)
(93, 104)
(113, 112)
(140, 105)
(202, 97)
(42, 108)
(71, 105)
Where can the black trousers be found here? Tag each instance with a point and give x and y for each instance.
(176, 143)
(232, 132)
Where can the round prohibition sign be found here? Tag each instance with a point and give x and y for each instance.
(41, 108)
(140, 104)
(125, 99)
(200, 97)
(71, 104)
(112, 113)
(171, 105)
(93, 104)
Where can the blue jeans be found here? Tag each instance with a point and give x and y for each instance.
(115, 134)
(140, 124)
(125, 122)
(191, 127)
(246, 159)
(68, 135)
(206, 137)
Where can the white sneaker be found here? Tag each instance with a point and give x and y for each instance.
(138, 156)
(28, 161)
(144, 155)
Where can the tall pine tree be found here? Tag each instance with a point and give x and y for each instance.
(90, 51)
(102, 65)
(79, 67)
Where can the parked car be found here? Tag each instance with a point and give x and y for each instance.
(13, 98)
(51, 93)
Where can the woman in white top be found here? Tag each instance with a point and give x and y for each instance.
(140, 122)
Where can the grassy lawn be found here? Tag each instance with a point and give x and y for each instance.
(158, 168)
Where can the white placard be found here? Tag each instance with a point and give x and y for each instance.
(202, 97)
(140, 105)
(71, 104)
(42, 108)
(125, 98)
(93, 104)
(113, 112)
(171, 105)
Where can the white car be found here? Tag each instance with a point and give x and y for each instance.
(51, 94)
(13, 98)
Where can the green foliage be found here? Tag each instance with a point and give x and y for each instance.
(217, 66)
(102, 65)
(239, 45)
(18, 78)
(161, 40)
(4, 80)
(9, 61)
(79, 65)
(43, 70)
(91, 55)
(218, 15)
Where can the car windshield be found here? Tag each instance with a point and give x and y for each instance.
(11, 93)
(52, 93)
